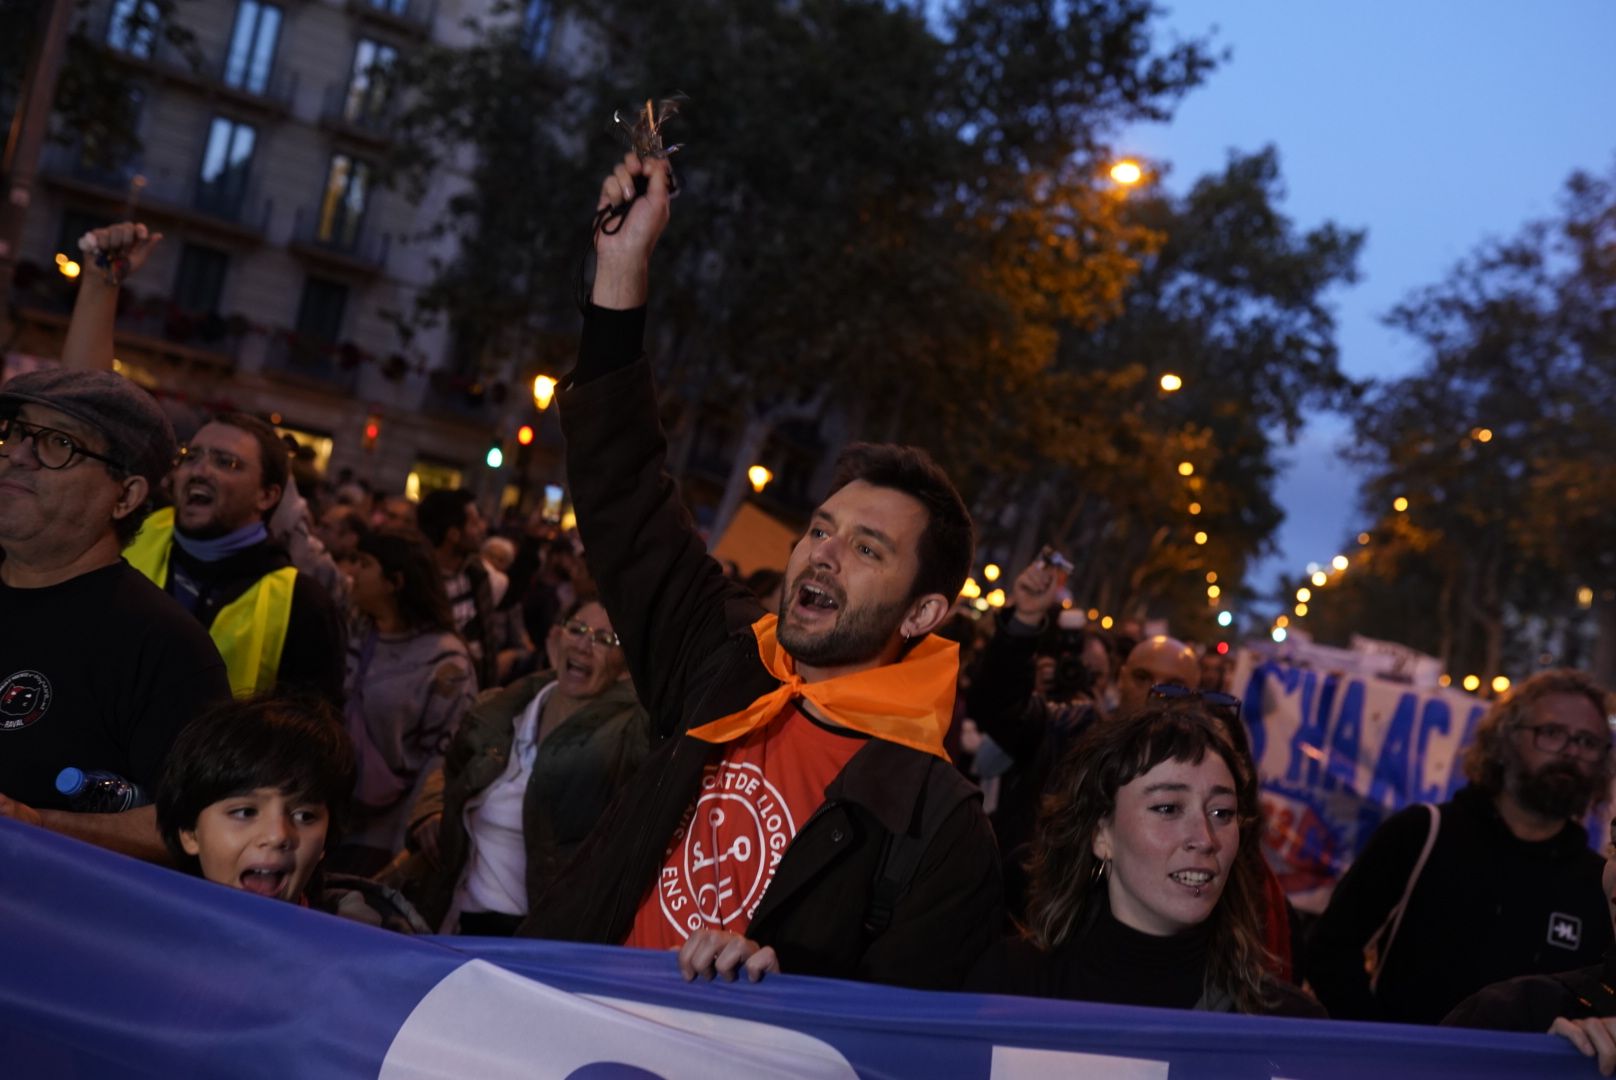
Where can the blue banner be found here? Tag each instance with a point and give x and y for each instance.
(110, 967)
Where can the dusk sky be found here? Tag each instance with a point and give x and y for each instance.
(1432, 125)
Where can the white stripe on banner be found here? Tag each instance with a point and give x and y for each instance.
(1023, 1063)
(483, 1021)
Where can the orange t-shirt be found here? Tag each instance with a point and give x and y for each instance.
(751, 803)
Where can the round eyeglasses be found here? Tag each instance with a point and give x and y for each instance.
(54, 449)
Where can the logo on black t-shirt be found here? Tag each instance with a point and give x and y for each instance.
(1565, 931)
(24, 698)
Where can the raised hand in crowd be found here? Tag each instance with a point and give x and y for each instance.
(623, 247)
(1036, 591)
(111, 254)
(707, 953)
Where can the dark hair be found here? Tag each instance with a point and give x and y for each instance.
(409, 564)
(581, 600)
(294, 745)
(949, 542)
(1486, 756)
(273, 466)
(1065, 891)
(440, 511)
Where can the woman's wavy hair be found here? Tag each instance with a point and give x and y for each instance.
(1065, 894)
(409, 563)
(1487, 755)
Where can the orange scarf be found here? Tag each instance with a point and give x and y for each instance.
(910, 703)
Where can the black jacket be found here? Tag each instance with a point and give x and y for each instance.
(1488, 907)
(686, 634)
(1533, 1002)
(314, 657)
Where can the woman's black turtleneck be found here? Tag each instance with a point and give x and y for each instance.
(1106, 962)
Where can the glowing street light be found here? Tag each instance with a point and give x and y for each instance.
(69, 268)
(996, 598)
(991, 571)
(1500, 683)
(1482, 435)
(1170, 383)
(1472, 683)
(970, 590)
(1127, 172)
(1339, 562)
(1225, 618)
(1094, 614)
(1213, 592)
(1211, 577)
(1446, 680)
(1319, 578)
(1282, 621)
(1301, 611)
(1400, 504)
(1200, 538)
(760, 477)
(1304, 594)
(1363, 538)
(1186, 468)
(1278, 635)
(1585, 597)
(1107, 623)
(544, 389)
(1195, 508)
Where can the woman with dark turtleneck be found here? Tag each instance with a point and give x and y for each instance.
(1147, 877)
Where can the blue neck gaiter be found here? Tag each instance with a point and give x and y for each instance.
(221, 547)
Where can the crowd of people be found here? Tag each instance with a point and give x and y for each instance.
(342, 699)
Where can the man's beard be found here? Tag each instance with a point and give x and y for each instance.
(859, 634)
(1558, 789)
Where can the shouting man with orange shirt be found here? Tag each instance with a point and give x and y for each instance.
(802, 814)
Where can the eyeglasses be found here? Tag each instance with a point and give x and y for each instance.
(582, 631)
(1225, 707)
(54, 449)
(222, 460)
(1558, 739)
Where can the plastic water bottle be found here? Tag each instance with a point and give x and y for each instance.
(96, 792)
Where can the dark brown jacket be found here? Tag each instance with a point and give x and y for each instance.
(686, 634)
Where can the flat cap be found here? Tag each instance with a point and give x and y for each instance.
(138, 433)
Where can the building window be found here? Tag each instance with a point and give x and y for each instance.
(252, 46)
(199, 282)
(342, 208)
(132, 28)
(536, 20)
(222, 185)
(320, 311)
(392, 7)
(368, 86)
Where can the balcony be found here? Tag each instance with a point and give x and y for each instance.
(270, 94)
(355, 251)
(359, 118)
(413, 18)
(146, 325)
(317, 363)
(232, 212)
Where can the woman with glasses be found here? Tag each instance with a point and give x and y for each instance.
(409, 680)
(1147, 875)
(527, 775)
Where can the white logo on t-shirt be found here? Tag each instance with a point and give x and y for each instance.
(24, 698)
(1565, 931)
(729, 844)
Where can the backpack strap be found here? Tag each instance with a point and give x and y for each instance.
(901, 852)
(1387, 933)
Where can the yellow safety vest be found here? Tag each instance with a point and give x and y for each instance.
(250, 631)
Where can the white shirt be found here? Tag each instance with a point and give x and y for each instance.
(495, 877)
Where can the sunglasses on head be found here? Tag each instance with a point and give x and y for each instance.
(1225, 707)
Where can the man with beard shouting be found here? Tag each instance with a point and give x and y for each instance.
(1499, 882)
(802, 814)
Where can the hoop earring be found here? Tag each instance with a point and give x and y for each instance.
(1101, 868)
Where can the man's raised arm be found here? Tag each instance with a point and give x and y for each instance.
(669, 602)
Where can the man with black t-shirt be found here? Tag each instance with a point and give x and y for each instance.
(98, 669)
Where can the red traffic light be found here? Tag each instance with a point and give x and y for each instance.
(1223, 648)
(524, 434)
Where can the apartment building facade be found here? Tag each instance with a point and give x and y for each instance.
(284, 263)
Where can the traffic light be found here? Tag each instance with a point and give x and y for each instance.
(496, 455)
(373, 430)
(524, 434)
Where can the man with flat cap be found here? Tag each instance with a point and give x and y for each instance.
(99, 669)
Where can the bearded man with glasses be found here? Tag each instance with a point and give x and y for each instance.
(1495, 883)
(98, 669)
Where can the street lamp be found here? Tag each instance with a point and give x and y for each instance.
(1301, 611)
(1170, 383)
(1400, 504)
(1200, 538)
(1186, 468)
(543, 391)
(760, 477)
(1319, 578)
(1195, 508)
(1127, 172)
(1304, 594)
(1500, 683)
(996, 598)
(1472, 683)
(1339, 562)
(1213, 592)
(991, 571)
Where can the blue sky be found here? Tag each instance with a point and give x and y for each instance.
(1434, 125)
